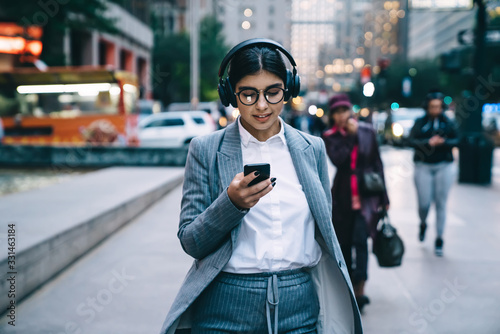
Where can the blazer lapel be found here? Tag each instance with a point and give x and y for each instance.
(229, 157)
(230, 163)
(305, 163)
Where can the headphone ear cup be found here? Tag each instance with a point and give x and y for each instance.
(292, 85)
(296, 85)
(289, 85)
(222, 94)
(231, 97)
(226, 93)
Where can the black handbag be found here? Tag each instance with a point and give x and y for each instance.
(372, 183)
(388, 246)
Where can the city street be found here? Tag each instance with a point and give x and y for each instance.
(127, 283)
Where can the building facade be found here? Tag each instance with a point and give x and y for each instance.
(255, 19)
(328, 41)
(432, 33)
(128, 50)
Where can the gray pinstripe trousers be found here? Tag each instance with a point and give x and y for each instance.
(280, 302)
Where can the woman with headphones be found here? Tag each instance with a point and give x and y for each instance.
(433, 137)
(266, 258)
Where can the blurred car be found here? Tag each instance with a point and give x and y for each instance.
(174, 128)
(218, 114)
(399, 123)
(146, 108)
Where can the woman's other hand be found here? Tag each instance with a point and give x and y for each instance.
(352, 126)
(245, 197)
(436, 140)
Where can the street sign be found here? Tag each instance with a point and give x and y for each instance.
(492, 36)
(466, 37)
(406, 87)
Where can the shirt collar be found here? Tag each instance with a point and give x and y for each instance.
(336, 129)
(246, 137)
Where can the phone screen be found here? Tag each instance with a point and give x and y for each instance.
(263, 168)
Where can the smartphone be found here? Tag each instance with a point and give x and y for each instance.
(263, 168)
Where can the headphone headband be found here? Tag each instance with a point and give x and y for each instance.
(252, 42)
(435, 95)
(292, 81)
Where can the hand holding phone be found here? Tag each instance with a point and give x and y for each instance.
(264, 170)
(241, 194)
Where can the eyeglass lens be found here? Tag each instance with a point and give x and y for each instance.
(250, 96)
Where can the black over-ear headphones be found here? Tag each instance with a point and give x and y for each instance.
(434, 96)
(226, 93)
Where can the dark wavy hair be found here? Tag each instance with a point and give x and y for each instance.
(433, 95)
(253, 60)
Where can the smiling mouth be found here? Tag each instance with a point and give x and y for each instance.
(262, 116)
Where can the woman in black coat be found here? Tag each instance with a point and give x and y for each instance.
(353, 149)
(433, 137)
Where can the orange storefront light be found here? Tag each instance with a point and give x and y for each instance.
(34, 47)
(15, 30)
(12, 45)
(20, 40)
(18, 45)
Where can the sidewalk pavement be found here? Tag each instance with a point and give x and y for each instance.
(457, 293)
(50, 228)
(127, 284)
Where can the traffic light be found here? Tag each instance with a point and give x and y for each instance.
(366, 75)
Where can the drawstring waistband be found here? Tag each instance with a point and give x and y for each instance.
(272, 301)
(271, 282)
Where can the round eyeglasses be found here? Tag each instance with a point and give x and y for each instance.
(250, 96)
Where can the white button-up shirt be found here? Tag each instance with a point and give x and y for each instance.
(278, 232)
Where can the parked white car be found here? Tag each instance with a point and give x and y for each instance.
(399, 123)
(174, 128)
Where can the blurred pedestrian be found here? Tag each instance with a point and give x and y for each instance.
(433, 137)
(266, 256)
(352, 147)
(1, 131)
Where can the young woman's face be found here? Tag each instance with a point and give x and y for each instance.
(341, 116)
(435, 107)
(260, 118)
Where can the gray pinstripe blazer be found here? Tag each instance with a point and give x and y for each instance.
(209, 222)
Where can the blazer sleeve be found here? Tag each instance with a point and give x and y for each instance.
(204, 225)
(323, 173)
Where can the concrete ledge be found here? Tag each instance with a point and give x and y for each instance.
(58, 224)
(91, 156)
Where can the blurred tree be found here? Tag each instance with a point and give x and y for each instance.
(55, 17)
(171, 68)
(212, 51)
(171, 63)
